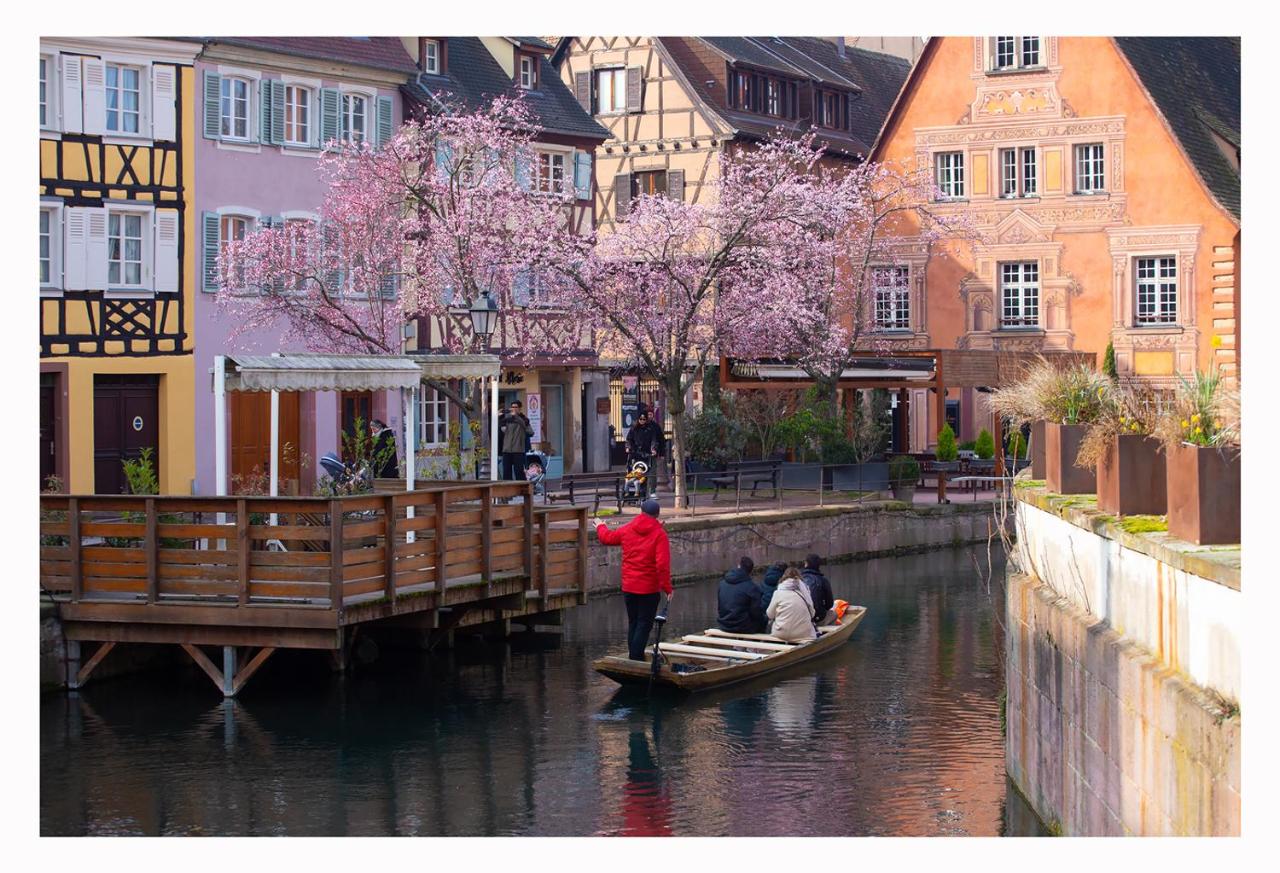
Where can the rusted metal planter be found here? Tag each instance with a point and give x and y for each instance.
(1061, 445)
(1204, 494)
(1131, 476)
(1037, 450)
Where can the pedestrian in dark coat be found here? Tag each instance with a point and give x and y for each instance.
(384, 451)
(769, 584)
(514, 435)
(819, 589)
(738, 600)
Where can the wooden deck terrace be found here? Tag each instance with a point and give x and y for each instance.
(261, 573)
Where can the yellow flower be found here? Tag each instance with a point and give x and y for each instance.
(1195, 418)
(1184, 422)
(1216, 342)
(1135, 427)
(1197, 430)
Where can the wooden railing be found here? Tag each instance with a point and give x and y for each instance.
(315, 551)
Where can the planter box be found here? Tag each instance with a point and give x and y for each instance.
(905, 493)
(1061, 445)
(1037, 450)
(1131, 476)
(1204, 494)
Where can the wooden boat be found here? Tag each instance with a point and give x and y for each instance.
(716, 658)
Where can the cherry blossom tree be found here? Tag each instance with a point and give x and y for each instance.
(421, 226)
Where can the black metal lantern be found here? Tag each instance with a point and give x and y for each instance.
(484, 318)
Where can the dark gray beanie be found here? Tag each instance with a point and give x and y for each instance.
(650, 507)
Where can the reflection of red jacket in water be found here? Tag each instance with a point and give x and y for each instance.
(646, 804)
(646, 554)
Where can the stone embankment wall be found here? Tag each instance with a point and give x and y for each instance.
(702, 547)
(1123, 675)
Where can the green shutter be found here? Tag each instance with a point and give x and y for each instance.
(264, 111)
(277, 112)
(212, 230)
(212, 105)
(386, 124)
(330, 115)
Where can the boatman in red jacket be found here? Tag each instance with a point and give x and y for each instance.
(646, 571)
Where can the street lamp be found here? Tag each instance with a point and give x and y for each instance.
(484, 318)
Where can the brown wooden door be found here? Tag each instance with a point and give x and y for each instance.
(48, 427)
(126, 419)
(355, 404)
(251, 433)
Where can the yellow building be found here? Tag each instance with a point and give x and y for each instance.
(117, 256)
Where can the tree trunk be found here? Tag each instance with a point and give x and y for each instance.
(675, 408)
(825, 389)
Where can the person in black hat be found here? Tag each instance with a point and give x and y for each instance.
(819, 589)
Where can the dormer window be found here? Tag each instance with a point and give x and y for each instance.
(766, 95)
(831, 110)
(527, 72)
(1015, 52)
(431, 57)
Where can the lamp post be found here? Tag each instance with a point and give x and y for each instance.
(484, 318)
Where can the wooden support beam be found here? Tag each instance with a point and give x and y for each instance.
(82, 675)
(582, 557)
(202, 660)
(151, 547)
(228, 669)
(243, 675)
(442, 535)
(389, 535)
(544, 535)
(997, 428)
(242, 549)
(486, 540)
(335, 554)
(528, 533)
(73, 540)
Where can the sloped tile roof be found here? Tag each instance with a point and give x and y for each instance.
(378, 52)
(473, 78)
(1195, 83)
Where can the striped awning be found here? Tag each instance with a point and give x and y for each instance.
(309, 372)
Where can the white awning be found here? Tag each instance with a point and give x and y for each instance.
(307, 372)
(442, 368)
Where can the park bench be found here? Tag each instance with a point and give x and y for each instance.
(756, 472)
(571, 486)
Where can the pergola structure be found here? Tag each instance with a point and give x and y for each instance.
(315, 372)
(935, 369)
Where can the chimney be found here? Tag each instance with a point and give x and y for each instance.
(839, 41)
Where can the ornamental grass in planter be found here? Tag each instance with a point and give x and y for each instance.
(1130, 462)
(1201, 433)
(1047, 396)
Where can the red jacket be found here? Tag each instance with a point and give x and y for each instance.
(646, 554)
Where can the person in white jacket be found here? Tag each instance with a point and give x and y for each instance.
(790, 611)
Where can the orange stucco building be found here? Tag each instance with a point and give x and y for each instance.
(1102, 176)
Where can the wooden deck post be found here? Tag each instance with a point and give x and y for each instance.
(442, 534)
(335, 554)
(528, 533)
(389, 532)
(582, 556)
(73, 540)
(242, 549)
(151, 546)
(544, 532)
(228, 670)
(486, 539)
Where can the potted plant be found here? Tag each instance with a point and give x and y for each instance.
(985, 445)
(1130, 462)
(904, 473)
(1201, 433)
(947, 451)
(1015, 457)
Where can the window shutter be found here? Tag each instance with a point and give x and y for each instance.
(209, 249)
(582, 89)
(386, 121)
(582, 175)
(163, 95)
(95, 95)
(635, 82)
(76, 235)
(621, 196)
(277, 112)
(330, 115)
(675, 185)
(166, 250)
(264, 111)
(95, 248)
(213, 105)
(71, 103)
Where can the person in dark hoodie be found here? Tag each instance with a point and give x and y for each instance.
(646, 571)
(769, 584)
(819, 589)
(739, 601)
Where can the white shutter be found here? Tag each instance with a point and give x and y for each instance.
(73, 260)
(72, 110)
(166, 250)
(164, 87)
(95, 95)
(95, 248)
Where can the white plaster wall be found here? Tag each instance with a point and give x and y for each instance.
(1190, 623)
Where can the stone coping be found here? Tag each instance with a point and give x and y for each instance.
(1219, 564)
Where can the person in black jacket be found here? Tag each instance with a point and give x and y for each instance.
(819, 589)
(769, 584)
(739, 601)
(384, 451)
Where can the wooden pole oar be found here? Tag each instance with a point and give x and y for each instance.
(659, 620)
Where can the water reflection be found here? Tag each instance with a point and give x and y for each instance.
(895, 733)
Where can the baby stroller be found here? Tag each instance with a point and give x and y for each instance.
(635, 485)
(346, 477)
(535, 471)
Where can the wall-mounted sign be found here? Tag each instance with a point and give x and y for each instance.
(137, 422)
(533, 409)
(602, 406)
(630, 400)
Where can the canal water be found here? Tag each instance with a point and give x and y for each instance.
(897, 733)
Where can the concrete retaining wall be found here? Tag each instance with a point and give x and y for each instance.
(1122, 678)
(709, 546)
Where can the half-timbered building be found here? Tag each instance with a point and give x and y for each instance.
(1103, 178)
(559, 392)
(117, 235)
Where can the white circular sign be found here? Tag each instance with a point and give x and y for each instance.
(137, 422)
